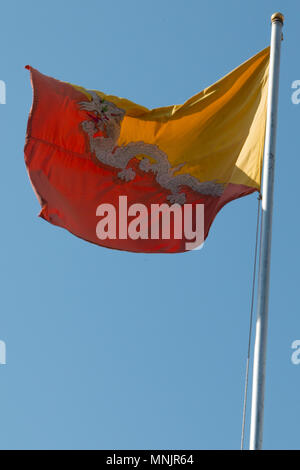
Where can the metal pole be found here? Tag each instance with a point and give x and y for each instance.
(259, 362)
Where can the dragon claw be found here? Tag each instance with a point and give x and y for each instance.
(177, 198)
(127, 174)
(145, 165)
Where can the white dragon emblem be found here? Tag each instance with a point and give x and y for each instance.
(107, 118)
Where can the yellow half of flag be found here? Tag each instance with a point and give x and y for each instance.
(218, 134)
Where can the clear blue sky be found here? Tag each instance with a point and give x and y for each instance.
(116, 350)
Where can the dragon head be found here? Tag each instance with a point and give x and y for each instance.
(102, 110)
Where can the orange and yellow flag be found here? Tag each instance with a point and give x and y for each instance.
(85, 149)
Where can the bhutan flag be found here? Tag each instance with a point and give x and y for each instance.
(99, 164)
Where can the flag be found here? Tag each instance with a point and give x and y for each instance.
(122, 176)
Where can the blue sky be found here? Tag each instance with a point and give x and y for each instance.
(115, 350)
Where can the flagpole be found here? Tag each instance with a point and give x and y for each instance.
(259, 362)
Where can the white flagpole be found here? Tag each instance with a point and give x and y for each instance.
(259, 362)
